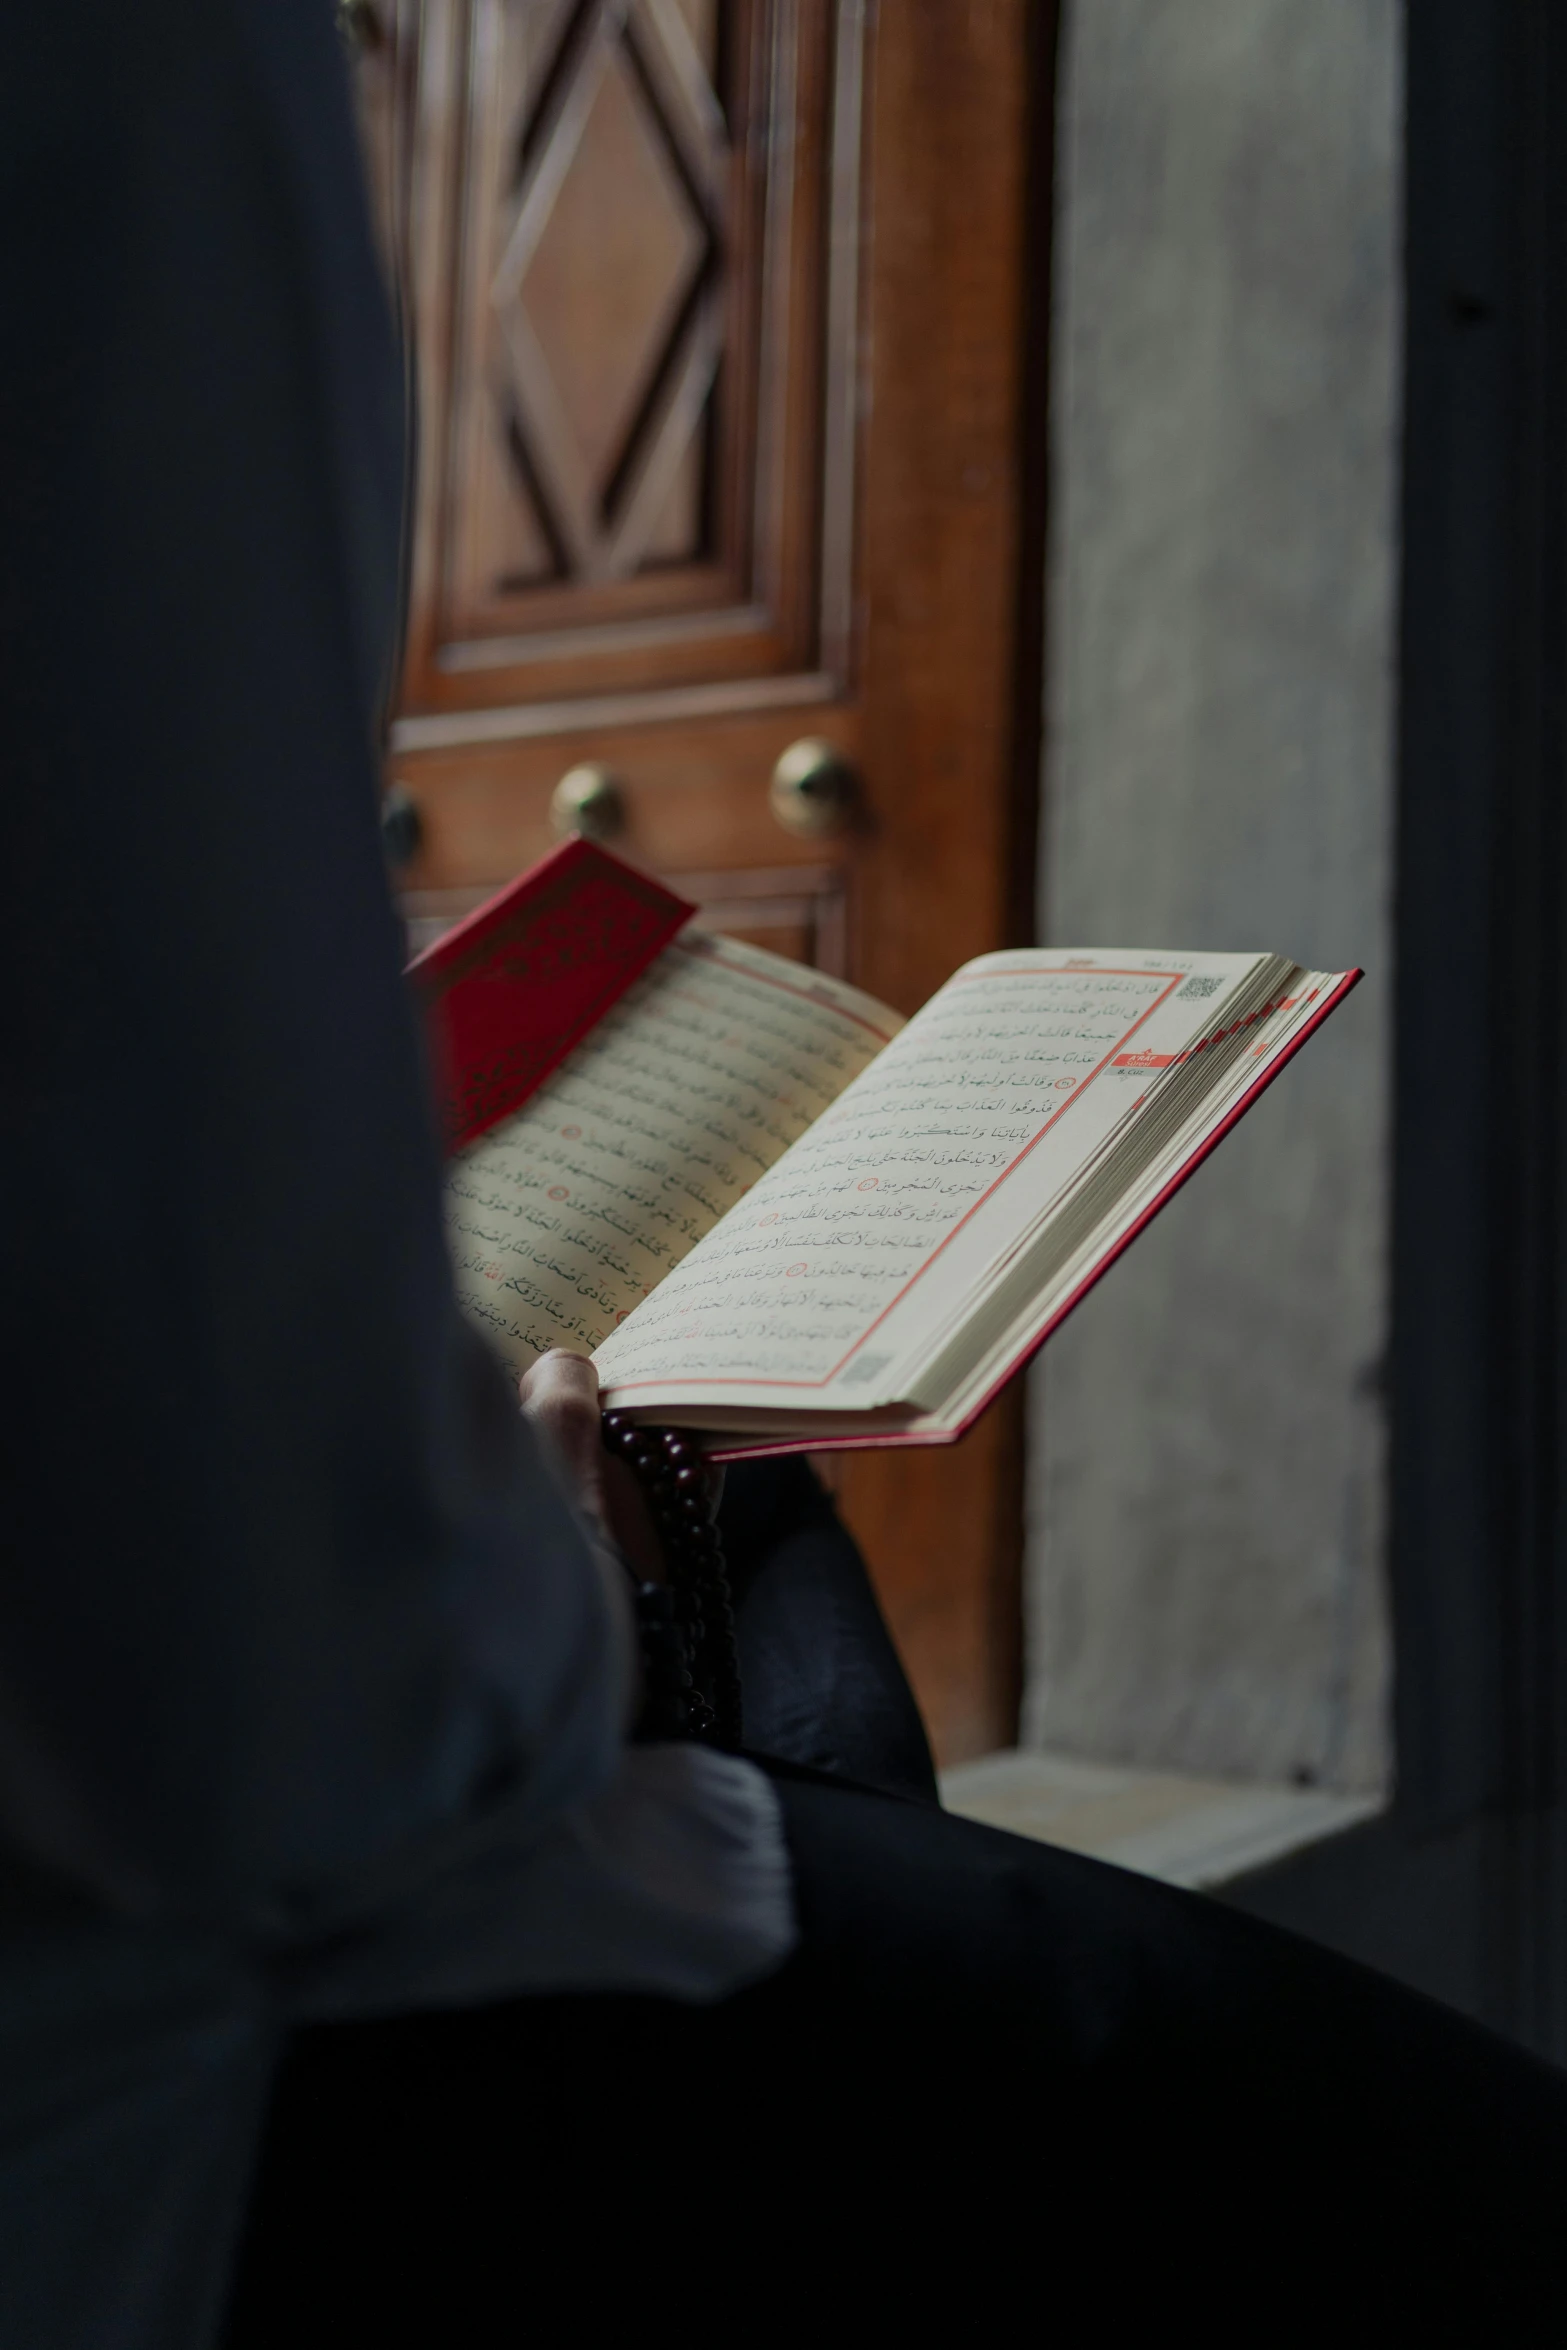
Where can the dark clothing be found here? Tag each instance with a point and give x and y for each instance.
(822, 1683)
(298, 1632)
(269, 1490)
(998, 2086)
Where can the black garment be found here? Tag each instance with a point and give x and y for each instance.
(292, 1611)
(270, 1491)
(997, 2084)
(995, 2079)
(822, 1681)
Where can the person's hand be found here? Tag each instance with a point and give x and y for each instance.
(560, 1402)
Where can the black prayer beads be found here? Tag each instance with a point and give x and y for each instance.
(690, 1664)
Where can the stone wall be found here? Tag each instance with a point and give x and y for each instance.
(1206, 1506)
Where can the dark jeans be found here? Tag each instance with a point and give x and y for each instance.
(997, 2087)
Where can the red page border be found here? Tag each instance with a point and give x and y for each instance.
(740, 1450)
(1095, 971)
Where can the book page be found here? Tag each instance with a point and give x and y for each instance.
(1036, 1307)
(982, 1112)
(565, 1216)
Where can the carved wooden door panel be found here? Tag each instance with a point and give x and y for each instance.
(719, 312)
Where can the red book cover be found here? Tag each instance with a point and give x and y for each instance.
(511, 988)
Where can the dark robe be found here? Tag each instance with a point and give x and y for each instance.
(292, 1614)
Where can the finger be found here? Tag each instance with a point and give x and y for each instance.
(560, 1402)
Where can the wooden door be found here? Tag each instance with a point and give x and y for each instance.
(726, 440)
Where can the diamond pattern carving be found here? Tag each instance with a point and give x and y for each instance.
(605, 294)
(604, 328)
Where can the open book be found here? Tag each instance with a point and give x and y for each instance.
(774, 1211)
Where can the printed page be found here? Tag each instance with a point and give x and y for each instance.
(1035, 1309)
(989, 1105)
(1004, 1327)
(565, 1216)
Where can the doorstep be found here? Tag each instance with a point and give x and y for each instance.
(1201, 1833)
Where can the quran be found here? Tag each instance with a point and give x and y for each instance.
(772, 1210)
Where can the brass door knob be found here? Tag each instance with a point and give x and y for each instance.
(587, 800)
(401, 828)
(813, 790)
